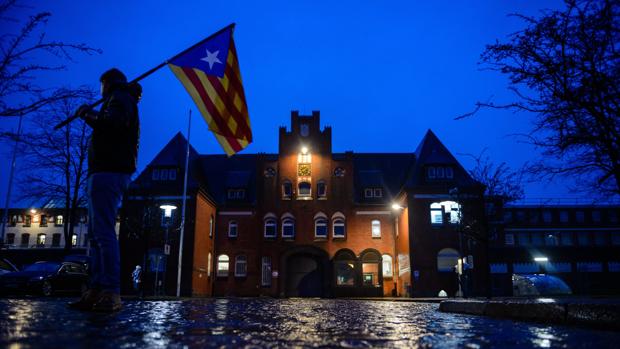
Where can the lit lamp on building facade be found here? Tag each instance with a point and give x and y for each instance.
(167, 221)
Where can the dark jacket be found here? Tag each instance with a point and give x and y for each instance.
(116, 132)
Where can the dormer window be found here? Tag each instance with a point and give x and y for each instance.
(164, 174)
(370, 193)
(236, 194)
(439, 172)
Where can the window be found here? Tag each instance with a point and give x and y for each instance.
(564, 216)
(431, 172)
(376, 228)
(287, 190)
(222, 265)
(523, 239)
(25, 240)
(447, 258)
(269, 172)
(446, 211)
(338, 226)
(320, 227)
(13, 221)
(547, 216)
(509, 239)
(583, 238)
(236, 194)
(172, 175)
(378, 192)
(56, 240)
(241, 266)
(612, 216)
(305, 189)
(552, 239)
(304, 130)
(596, 216)
(368, 193)
(580, 216)
(155, 174)
(339, 172)
(600, 238)
(41, 240)
(566, 238)
(440, 172)
(209, 265)
(43, 222)
(321, 189)
(232, 229)
(534, 216)
(270, 228)
(288, 228)
(211, 227)
(449, 173)
(27, 220)
(387, 266)
(74, 240)
(373, 192)
(59, 220)
(304, 158)
(507, 216)
(163, 175)
(537, 239)
(10, 239)
(520, 216)
(265, 272)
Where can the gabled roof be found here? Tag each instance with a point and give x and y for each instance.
(431, 151)
(222, 172)
(385, 170)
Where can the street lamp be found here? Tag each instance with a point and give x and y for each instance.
(167, 211)
(542, 260)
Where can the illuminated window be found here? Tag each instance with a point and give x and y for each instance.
(321, 189)
(222, 265)
(376, 228)
(445, 212)
(344, 268)
(209, 264)
(41, 240)
(270, 228)
(59, 220)
(447, 258)
(320, 227)
(288, 228)
(304, 158)
(241, 266)
(387, 266)
(304, 189)
(74, 240)
(232, 229)
(338, 225)
(371, 261)
(287, 190)
(211, 226)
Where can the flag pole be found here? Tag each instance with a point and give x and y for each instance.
(189, 127)
(145, 74)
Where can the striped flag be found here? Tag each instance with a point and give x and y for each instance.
(210, 73)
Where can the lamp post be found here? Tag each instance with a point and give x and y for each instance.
(167, 212)
(542, 261)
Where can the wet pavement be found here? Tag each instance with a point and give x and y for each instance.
(264, 322)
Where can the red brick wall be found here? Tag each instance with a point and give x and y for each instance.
(203, 245)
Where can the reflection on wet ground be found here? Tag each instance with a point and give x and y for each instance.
(275, 323)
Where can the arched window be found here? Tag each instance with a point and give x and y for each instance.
(338, 225)
(232, 229)
(288, 228)
(445, 212)
(41, 240)
(270, 226)
(320, 225)
(305, 189)
(321, 189)
(287, 189)
(387, 266)
(344, 268)
(447, 258)
(209, 264)
(222, 265)
(376, 228)
(241, 266)
(371, 264)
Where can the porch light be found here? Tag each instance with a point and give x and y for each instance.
(168, 210)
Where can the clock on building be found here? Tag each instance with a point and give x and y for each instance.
(304, 170)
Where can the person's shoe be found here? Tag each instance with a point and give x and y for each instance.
(108, 302)
(86, 302)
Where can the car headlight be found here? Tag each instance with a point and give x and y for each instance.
(36, 278)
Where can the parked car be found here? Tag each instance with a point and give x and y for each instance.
(6, 266)
(46, 278)
(539, 285)
(78, 258)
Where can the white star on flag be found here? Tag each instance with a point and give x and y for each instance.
(211, 58)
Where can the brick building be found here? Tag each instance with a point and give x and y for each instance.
(307, 221)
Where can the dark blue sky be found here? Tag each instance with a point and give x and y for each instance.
(381, 73)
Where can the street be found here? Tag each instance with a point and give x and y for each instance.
(266, 322)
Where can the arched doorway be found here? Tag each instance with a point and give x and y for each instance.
(305, 272)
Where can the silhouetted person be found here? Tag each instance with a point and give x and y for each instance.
(112, 157)
(136, 277)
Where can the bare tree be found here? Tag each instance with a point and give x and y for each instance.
(564, 67)
(54, 163)
(27, 53)
(499, 179)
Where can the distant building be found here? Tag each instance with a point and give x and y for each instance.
(307, 221)
(580, 244)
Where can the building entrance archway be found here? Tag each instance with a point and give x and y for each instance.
(305, 272)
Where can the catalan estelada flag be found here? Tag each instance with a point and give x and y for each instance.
(210, 73)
